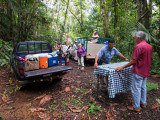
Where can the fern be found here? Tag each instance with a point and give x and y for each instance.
(158, 100)
(93, 108)
(149, 37)
(151, 86)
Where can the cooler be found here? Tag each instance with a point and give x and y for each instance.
(52, 60)
(43, 61)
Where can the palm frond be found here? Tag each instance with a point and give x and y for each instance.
(149, 37)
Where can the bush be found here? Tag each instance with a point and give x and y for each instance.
(151, 86)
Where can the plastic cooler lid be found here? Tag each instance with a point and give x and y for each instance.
(43, 55)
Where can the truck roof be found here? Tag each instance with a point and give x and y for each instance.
(32, 47)
(25, 42)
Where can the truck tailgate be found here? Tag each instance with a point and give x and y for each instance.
(49, 70)
(92, 50)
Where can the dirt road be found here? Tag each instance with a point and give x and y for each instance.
(51, 101)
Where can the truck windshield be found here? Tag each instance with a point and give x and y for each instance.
(45, 47)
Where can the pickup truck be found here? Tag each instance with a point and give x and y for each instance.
(17, 62)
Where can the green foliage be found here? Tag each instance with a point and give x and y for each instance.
(25, 21)
(4, 56)
(125, 116)
(82, 91)
(151, 86)
(1, 117)
(158, 100)
(155, 65)
(75, 101)
(93, 108)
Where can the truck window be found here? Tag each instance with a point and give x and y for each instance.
(45, 47)
(31, 48)
(22, 48)
(38, 47)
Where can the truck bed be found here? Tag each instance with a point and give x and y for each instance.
(50, 70)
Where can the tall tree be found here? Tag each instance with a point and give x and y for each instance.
(143, 13)
(115, 13)
(104, 13)
(65, 19)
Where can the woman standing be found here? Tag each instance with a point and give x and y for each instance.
(80, 54)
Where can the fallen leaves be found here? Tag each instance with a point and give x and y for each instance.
(40, 112)
(110, 113)
(76, 110)
(155, 76)
(39, 97)
(88, 91)
(156, 105)
(37, 109)
(45, 99)
(78, 82)
(6, 99)
(109, 116)
(43, 116)
(67, 89)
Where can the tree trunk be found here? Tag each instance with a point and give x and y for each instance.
(143, 13)
(159, 20)
(105, 18)
(115, 13)
(63, 27)
(81, 17)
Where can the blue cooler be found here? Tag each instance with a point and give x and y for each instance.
(52, 60)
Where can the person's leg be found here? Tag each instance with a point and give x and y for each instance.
(79, 62)
(136, 90)
(75, 55)
(82, 63)
(103, 79)
(99, 62)
(143, 91)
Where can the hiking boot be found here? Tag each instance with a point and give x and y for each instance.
(133, 109)
(143, 106)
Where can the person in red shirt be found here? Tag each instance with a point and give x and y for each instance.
(141, 61)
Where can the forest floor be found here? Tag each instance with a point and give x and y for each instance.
(72, 98)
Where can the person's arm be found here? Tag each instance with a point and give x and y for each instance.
(127, 65)
(122, 56)
(96, 61)
(76, 47)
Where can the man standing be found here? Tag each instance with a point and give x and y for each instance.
(104, 56)
(141, 61)
(106, 53)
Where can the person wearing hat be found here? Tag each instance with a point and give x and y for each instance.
(75, 50)
(95, 37)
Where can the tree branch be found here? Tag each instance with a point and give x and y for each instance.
(75, 17)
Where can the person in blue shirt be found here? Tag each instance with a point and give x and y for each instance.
(106, 53)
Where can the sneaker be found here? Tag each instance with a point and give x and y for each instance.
(82, 68)
(133, 109)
